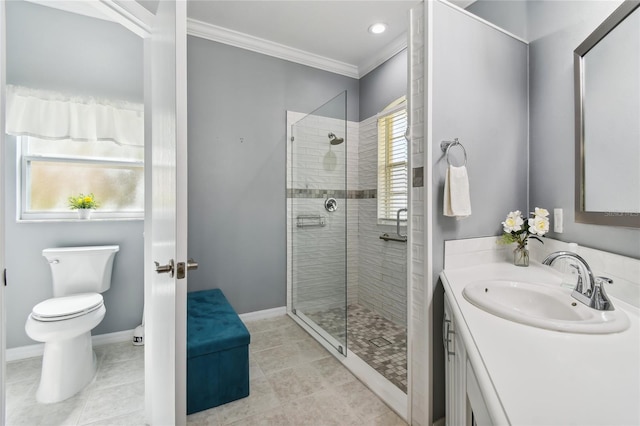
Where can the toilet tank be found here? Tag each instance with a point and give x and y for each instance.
(80, 269)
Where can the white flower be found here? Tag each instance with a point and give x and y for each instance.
(513, 222)
(541, 212)
(539, 225)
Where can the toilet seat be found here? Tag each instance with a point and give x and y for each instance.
(67, 307)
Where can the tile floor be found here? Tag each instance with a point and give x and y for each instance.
(376, 340)
(116, 396)
(294, 381)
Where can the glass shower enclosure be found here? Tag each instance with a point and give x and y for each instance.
(317, 219)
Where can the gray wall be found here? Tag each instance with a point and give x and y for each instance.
(237, 125)
(50, 49)
(510, 15)
(383, 85)
(555, 30)
(479, 96)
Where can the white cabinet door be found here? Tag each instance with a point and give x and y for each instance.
(460, 381)
(477, 405)
(455, 373)
(449, 365)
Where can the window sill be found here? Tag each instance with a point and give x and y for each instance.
(394, 223)
(70, 220)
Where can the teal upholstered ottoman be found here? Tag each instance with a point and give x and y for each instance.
(217, 352)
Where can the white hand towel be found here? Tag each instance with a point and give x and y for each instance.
(457, 202)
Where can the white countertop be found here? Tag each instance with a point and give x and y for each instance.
(540, 377)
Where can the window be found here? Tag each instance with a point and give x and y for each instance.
(392, 162)
(52, 171)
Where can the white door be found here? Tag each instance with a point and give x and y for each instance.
(2, 266)
(166, 215)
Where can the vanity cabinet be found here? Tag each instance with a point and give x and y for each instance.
(455, 371)
(501, 372)
(465, 405)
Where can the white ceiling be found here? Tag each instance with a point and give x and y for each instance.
(332, 29)
(328, 34)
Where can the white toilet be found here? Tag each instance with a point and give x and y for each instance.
(64, 323)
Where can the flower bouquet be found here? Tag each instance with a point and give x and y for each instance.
(517, 230)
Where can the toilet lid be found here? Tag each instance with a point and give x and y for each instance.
(61, 308)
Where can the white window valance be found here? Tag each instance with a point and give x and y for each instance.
(52, 115)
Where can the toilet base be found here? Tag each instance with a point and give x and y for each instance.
(68, 366)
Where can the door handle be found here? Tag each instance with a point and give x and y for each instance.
(182, 268)
(192, 265)
(165, 269)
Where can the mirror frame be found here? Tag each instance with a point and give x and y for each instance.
(630, 220)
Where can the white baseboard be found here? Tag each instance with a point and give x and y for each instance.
(116, 337)
(267, 313)
(31, 351)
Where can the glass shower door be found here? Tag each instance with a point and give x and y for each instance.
(317, 222)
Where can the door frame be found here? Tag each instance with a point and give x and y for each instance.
(132, 16)
(3, 320)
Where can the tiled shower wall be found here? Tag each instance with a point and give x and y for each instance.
(318, 253)
(376, 269)
(382, 273)
(420, 323)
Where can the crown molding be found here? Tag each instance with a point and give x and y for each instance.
(388, 52)
(255, 44)
(131, 15)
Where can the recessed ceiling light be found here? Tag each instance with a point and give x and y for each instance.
(377, 28)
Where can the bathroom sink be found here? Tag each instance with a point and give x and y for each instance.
(544, 306)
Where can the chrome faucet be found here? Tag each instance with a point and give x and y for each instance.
(589, 289)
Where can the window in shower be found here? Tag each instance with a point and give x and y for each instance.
(392, 161)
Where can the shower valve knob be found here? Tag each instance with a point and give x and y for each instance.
(331, 204)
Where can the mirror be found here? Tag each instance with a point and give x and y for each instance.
(607, 107)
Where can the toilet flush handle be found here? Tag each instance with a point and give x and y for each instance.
(54, 261)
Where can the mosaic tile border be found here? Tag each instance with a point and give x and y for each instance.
(357, 194)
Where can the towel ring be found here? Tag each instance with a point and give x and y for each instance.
(445, 146)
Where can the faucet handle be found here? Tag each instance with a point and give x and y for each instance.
(600, 300)
(604, 280)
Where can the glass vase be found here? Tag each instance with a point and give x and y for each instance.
(521, 256)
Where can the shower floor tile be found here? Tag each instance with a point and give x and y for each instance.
(376, 340)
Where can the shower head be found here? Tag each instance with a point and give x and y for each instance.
(334, 140)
